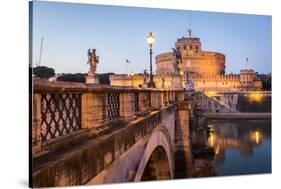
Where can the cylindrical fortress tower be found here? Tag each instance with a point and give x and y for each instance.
(194, 59)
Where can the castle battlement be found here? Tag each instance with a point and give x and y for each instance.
(229, 77)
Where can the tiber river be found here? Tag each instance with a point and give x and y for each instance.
(241, 147)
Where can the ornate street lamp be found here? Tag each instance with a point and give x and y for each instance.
(131, 75)
(150, 41)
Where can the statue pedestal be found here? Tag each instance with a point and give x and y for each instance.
(176, 82)
(92, 79)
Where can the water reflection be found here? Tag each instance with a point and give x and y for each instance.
(241, 147)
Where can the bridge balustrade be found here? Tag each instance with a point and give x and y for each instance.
(60, 114)
(113, 106)
(61, 109)
(136, 101)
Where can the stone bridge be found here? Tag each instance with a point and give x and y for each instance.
(91, 134)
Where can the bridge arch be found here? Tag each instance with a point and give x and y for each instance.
(157, 161)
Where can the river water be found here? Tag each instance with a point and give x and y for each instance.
(240, 146)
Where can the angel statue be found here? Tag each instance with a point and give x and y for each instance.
(178, 60)
(145, 76)
(93, 60)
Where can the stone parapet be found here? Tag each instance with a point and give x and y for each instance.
(69, 107)
(36, 123)
(144, 101)
(127, 107)
(94, 109)
(155, 100)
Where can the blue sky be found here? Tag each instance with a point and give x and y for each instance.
(119, 33)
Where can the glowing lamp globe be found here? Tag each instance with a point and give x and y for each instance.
(150, 38)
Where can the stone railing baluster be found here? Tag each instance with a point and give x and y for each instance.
(36, 123)
(94, 111)
(144, 101)
(127, 105)
(155, 99)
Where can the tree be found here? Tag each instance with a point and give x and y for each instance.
(81, 77)
(104, 78)
(43, 72)
(78, 77)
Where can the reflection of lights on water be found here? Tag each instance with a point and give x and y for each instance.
(212, 139)
(211, 128)
(256, 137)
(217, 150)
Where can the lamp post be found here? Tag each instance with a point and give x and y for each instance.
(150, 41)
(131, 75)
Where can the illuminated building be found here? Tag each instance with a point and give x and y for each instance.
(206, 70)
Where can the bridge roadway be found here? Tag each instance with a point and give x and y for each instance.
(93, 134)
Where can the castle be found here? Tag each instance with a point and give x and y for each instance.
(205, 69)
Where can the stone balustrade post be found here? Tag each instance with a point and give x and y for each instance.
(156, 99)
(144, 101)
(36, 123)
(166, 98)
(173, 96)
(127, 106)
(169, 96)
(161, 102)
(180, 95)
(93, 109)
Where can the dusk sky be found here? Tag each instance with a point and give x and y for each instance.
(119, 33)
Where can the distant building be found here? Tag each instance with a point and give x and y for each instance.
(194, 59)
(205, 69)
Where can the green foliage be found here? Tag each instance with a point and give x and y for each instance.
(266, 81)
(80, 77)
(43, 72)
(266, 85)
(104, 78)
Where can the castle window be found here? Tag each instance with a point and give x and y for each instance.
(196, 46)
(190, 47)
(184, 47)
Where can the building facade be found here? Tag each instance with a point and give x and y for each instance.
(194, 59)
(205, 69)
